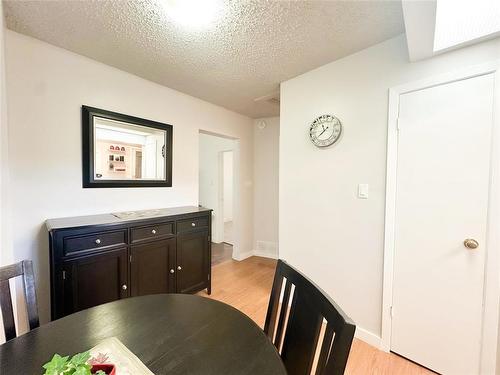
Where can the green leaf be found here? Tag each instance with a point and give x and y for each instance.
(82, 370)
(56, 365)
(80, 359)
(77, 365)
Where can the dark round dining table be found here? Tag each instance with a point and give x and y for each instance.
(170, 333)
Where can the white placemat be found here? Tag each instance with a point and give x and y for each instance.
(112, 351)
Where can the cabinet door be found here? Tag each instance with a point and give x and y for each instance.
(95, 279)
(150, 268)
(192, 261)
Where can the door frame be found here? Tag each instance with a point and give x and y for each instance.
(221, 201)
(237, 254)
(492, 259)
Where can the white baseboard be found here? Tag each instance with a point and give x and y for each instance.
(256, 253)
(263, 254)
(243, 256)
(368, 337)
(263, 249)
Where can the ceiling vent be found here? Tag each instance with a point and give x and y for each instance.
(273, 98)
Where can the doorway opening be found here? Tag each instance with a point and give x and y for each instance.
(218, 190)
(227, 195)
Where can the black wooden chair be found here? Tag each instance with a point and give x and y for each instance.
(300, 325)
(24, 269)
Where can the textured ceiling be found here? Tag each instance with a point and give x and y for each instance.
(249, 49)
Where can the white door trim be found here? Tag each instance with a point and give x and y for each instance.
(492, 278)
(220, 194)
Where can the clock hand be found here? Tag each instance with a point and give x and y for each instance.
(324, 130)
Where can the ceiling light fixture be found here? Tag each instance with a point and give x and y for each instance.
(192, 13)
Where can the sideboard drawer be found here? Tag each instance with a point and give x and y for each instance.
(93, 241)
(191, 224)
(151, 232)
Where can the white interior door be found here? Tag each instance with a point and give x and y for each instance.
(443, 174)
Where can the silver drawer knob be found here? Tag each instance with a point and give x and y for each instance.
(153, 231)
(172, 271)
(193, 224)
(179, 268)
(98, 241)
(124, 286)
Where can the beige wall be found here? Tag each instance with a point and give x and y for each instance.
(47, 87)
(266, 182)
(324, 230)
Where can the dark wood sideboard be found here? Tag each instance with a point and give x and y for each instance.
(102, 258)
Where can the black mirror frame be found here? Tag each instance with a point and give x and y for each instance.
(88, 114)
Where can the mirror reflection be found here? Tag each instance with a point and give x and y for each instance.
(124, 151)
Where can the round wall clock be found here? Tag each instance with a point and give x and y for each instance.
(325, 130)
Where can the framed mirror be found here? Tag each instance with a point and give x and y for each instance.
(124, 151)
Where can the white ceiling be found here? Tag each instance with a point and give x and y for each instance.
(243, 55)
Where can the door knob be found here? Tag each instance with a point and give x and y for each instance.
(153, 231)
(172, 270)
(471, 243)
(179, 268)
(98, 241)
(124, 286)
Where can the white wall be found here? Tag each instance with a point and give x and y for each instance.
(266, 186)
(228, 185)
(5, 247)
(210, 163)
(324, 230)
(47, 86)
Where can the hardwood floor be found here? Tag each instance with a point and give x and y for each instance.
(246, 285)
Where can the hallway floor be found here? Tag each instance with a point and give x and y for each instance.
(221, 252)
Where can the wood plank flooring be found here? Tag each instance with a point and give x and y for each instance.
(246, 285)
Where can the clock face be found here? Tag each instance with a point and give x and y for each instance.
(325, 130)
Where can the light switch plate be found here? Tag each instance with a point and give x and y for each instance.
(363, 190)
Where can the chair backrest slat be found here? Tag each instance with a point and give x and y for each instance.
(281, 322)
(30, 294)
(325, 350)
(24, 269)
(7, 310)
(299, 341)
(301, 337)
(272, 309)
(340, 350)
